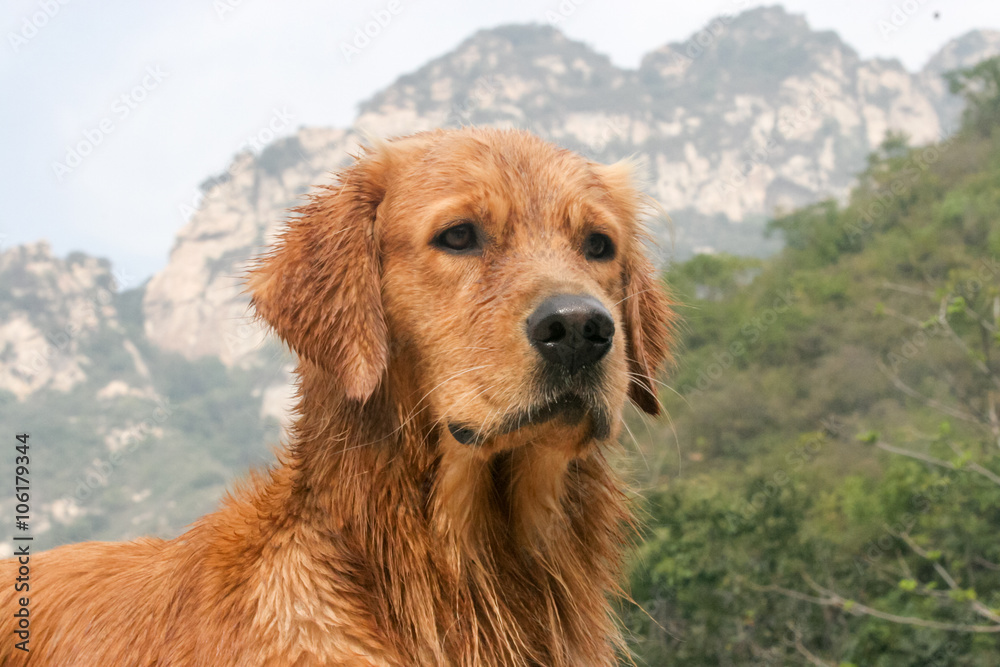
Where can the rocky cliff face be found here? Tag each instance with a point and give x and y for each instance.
(956, 54)
(195, 305)
(754, 113)
(53, 313)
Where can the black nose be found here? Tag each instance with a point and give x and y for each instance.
(571, 330)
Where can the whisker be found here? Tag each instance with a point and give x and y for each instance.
(629, 296)
(638, 447)
(670, 421)
(414, 412)
(640, 376)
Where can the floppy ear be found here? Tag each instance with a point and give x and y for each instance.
(648, 323)
(646, 308)
(320, 287)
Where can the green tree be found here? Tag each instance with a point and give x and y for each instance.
(980, 86)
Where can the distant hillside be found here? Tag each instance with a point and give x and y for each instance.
(127, 439)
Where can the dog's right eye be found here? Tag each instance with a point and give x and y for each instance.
(461, 239)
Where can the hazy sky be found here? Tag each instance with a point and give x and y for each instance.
(167, 92)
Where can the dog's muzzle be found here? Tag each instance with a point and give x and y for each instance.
(572, 333)
(570, 408)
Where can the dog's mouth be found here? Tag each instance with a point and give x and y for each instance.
(571, 408)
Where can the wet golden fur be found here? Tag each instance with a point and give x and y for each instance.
(379, 539)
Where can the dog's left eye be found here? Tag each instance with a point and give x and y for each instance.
(598, 247)
(461, 239)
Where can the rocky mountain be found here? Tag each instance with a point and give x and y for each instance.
(959, 53)
(754, 113)
(127, 438)
(56, 316)
(195, 305)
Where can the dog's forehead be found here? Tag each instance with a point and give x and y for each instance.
(508, 180)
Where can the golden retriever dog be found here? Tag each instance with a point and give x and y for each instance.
(470, 309)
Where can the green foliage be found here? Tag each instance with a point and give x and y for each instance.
(980, 86)
(180, 379)
(128, 305)
(782, 511)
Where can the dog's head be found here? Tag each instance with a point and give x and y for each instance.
(503, 276)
